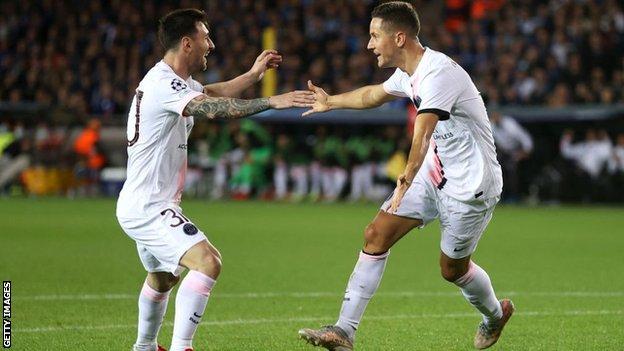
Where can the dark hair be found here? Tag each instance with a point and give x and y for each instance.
(398, 15)
(178, 24)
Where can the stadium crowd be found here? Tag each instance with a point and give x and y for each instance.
(88, 57)
(84, 59)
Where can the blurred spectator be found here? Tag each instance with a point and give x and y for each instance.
(590, 155)
(359, 149)
(91, 160)
(281, 164)
(616, 168)
(12, 162)
(227, 157)
(513, 145)
(616, 163)
(251, 175)
(590, 158)
(332, 154)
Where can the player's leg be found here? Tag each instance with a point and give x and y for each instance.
(220, 178)
(316, 180)
(379, 236)
(474, 284)
(204, 262)
(356, 191)
(152, 307)
(339, 179)
(280, 180)
(367, 180)
(462, 226)
(417, 208)
(299, 175)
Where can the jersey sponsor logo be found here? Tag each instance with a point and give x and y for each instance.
(178, 85)
(183, 146)
(442, 136)
(190, 229)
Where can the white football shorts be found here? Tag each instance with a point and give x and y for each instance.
(162, 239)
(461, 223)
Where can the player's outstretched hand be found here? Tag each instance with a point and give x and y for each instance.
(266, 60)
(297, 98)
(402, 185)
(320, 105)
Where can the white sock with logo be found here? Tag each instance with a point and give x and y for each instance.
(362, 285)
(477, 288)
(190, 304)
(152, 308)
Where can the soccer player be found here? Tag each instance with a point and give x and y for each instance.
(451, 174)
(148, 209)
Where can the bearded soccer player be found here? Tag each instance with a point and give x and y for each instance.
(159, 122)
(451, 174)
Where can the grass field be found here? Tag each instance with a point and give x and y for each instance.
(76, 277)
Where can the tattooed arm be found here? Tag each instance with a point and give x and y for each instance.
(217, 107)
(229, 108)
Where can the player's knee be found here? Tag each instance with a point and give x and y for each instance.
(170, 282)
(163, 283)
(209, 264)
(451, 273)
(373, 240)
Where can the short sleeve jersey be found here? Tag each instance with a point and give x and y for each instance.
(461, 160)
(157, 142)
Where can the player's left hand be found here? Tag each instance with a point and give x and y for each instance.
(297, 98)
(403, 183)
(266, 60)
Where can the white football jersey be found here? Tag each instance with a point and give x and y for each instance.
(461, 160)
(157, 142)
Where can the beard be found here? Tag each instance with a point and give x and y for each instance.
(199, 65)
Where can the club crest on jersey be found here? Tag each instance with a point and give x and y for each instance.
(190, 229)
(177, 84)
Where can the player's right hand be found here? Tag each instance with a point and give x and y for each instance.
(321, 104)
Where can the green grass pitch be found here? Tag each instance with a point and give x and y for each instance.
(76, 278)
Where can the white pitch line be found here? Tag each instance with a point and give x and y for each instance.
(266, 295)
(320, 319)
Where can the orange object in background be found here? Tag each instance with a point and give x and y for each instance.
(88, 138)
(96, 161)
(480, 8)
(456, 13)
(86, 145)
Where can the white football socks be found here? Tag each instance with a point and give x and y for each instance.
(477, 288)
(362, 285)
(190, 304)
(152, 307)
